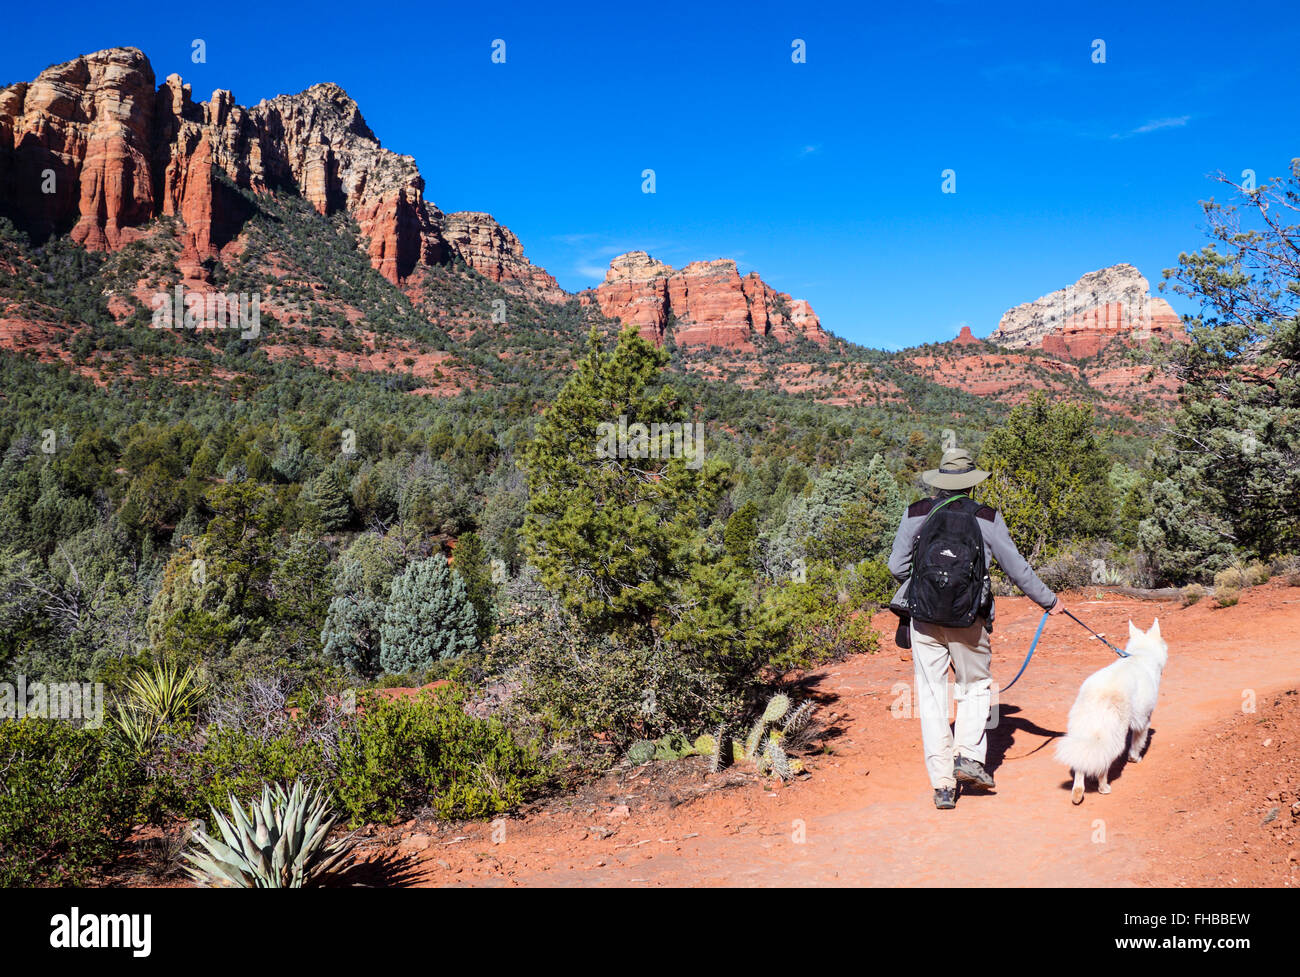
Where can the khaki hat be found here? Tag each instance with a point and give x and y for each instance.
(955, 471)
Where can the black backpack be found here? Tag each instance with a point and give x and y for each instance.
(949, 577)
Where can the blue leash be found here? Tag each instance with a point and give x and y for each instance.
(1039, 633)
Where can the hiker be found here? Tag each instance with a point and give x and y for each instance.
(945, 599)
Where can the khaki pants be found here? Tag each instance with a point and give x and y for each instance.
(967, 650)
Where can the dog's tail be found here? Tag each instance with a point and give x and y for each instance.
(1098, 725)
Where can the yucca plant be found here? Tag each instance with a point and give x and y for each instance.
(277, 844)
(136, 728)
(155, 698)
(165, 692)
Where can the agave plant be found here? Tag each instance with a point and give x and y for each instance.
(277, 844)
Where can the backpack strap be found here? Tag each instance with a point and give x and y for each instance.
(934, 509)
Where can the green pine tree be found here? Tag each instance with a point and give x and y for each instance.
(472, 566)
(1227, 483)
(326, 500)
(615, 538)
(1050, 475)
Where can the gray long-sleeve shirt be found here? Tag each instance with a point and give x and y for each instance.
(998, 546)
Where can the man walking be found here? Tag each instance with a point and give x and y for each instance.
(941, 556)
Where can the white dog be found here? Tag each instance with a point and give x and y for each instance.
(1111, 702)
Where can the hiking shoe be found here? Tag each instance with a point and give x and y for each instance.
(945, 798)
(972, 772)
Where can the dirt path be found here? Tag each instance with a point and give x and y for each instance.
(865, 814)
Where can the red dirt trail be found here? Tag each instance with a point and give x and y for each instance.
(1190, 814)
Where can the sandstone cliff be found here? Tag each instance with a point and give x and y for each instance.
(706, 303)
(494, 252)
(123, 152)
(1081, 319)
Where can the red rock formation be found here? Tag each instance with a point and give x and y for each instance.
(124, 153)
(708, 303)
(635, 290)
(966, 337)
(1079, 321)
(494, 252)
(88, 121)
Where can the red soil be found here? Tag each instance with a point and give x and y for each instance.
(1215, 801)
(1190, 814)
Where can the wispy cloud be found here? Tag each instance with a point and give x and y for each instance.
(810, 150)
(1155, 125)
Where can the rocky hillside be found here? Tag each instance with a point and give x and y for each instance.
(94, 149)
(295, 200)
(1103, 339)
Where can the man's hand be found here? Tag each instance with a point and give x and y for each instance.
(1057, 608)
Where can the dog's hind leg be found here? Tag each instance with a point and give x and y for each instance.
(1139, 741)
(1076, 795)
(1102, 786)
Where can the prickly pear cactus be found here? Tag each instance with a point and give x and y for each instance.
(777, 706)
(704, 744)
(777, 761)
(754, 742)
(672, 746)
(642, 751)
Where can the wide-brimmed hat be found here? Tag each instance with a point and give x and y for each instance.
(955, 471)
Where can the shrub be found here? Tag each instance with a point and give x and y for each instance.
(1067, 569)
(1288, 568)
(1192, 593)
(401, 755)
(602, 692)
(195, 771)
(870, 583)
(68, 796)
(818, 626)
(1284, 565)
(1227, 586)
(1255, 573)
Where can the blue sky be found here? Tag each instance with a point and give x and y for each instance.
(825, 177)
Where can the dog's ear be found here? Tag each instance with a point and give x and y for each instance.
(1155, 628)
(1133, 632)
